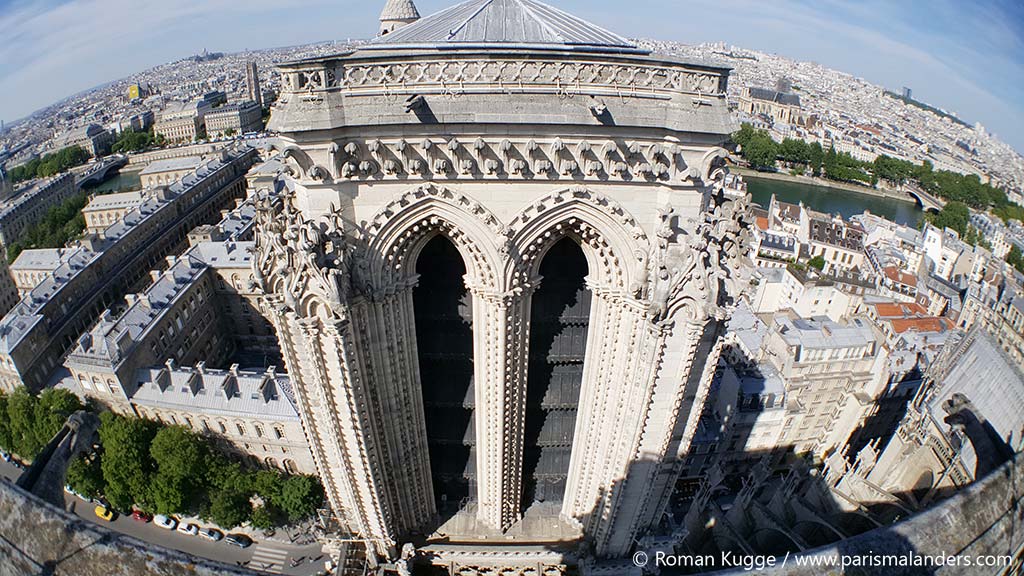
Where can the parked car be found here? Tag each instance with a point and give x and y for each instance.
(190, 529)
(104, 513)
(68, 490)
(211, 534)
(5, 456)
(167, 522)
(141, 516)
(240, 540)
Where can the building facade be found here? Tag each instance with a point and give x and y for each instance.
(168, 171)
(107, 209)
(29, 206)
(178, 128)
(40, 330)
(237, 118)
(500, 305)
(92, 138)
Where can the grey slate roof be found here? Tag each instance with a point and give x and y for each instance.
(784, 98)
(172, 164)
(217, 392)
(526, 23)
(399, 10)
(980, 369)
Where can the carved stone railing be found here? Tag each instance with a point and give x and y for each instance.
(455, 76)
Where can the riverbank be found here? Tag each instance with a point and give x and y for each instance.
(832, 200)
(821, 182)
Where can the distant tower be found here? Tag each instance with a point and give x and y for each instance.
(907, 93)
(252, 82)
(397, 13)
(783, 85)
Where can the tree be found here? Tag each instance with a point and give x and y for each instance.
(756, 147)
(21, 410)
(795, 151)
(818, 262)
(85, 475)
(127, 465)
(744, 134)
(263, 517)
(228, 508)
(132, 141)
(52, 411)
(6, 434)
(1015, 258)
(817, 156)
(893, 169)
(50, 164)
(954, 215)
(268, 484)
(179, 457)
(761, 152)
(301, 496)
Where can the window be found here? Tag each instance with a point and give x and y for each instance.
(241, 428)
(223, 429)
(259, 430)
(278, 432)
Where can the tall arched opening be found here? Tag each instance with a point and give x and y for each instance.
(444, 340)
(559, 321)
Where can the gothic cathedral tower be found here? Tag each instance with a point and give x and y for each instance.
(499, 279)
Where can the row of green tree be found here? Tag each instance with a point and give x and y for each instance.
(28, 422)
(763, 153)
(171, 470)
(60, 225)
(132, 141)
(50, 164)
(1015, 258)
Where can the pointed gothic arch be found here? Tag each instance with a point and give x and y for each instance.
(613, 242)
(400, 230)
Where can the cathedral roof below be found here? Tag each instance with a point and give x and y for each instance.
(505, 23)
(399, 10)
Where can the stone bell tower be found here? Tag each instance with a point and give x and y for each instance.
(499, 278)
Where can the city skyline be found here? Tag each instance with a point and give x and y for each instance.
(504, 290)
(970, 52)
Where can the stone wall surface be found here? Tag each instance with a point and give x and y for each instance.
(37, 538)
(984, 519)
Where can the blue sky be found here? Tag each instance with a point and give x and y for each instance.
(963, 56)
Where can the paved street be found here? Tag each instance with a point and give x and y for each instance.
(267, 555)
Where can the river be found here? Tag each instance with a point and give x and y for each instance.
(123, 181)
(832, 200)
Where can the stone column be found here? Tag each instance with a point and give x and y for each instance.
(332, 418)
(667, 410)
(390, 370)
(500, 343)
(616, 390)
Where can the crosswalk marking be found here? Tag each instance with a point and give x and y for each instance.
(269, 557)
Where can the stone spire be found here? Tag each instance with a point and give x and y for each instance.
(397, 13)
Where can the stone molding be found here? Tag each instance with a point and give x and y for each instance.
(456, 76)
(445, 157)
